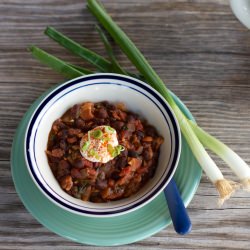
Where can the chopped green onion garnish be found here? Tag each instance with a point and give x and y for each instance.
(120, 148)
(115, 151)
(92, 152)
(114, 154)
(88, 135)
(108, 129)
(111, 150)
(97, 134)
(85, 145)
(106, 139)
(97, 156)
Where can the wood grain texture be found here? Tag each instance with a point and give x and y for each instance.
(202, 53)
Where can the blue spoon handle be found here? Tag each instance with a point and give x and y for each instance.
(178, 212)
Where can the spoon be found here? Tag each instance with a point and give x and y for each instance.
(178, 212)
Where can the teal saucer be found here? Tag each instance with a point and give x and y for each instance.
(119, 230)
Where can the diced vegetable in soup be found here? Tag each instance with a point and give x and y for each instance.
(100, 152)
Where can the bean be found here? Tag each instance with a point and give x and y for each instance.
(78, 163)
(115, 175)
(121, 162)
(79, 123)
(57, 153)
(86, 111)
(63, 145)
(101, 113)
(132, 153)
(101, 184)
(140, 134)
(66, 182)
(118, 125)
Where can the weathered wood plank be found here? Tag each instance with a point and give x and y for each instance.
(199, 49)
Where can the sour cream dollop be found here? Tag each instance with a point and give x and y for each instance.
(100, 144)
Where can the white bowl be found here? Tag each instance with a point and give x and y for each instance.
(241, 9)
(139, 98)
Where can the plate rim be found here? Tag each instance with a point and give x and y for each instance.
(89, 242)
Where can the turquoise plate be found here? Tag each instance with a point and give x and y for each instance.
(119, 230)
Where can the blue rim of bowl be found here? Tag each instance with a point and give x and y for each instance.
(105, 76)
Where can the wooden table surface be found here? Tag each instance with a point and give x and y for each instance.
(200, 50)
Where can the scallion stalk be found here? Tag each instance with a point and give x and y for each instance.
(234, 161)
(224, 187)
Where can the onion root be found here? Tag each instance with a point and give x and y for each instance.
(225, 188)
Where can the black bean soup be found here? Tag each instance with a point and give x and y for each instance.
(118, 178)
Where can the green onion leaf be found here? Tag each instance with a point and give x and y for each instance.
(115, 65)
(98, 61)
(92, 152)
(81, 69)
(55, 63)
(128, 47)
(85, 146)
(120, 148)
(111, 150)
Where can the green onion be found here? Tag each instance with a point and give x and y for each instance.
(194, 135)
(111, 150)
(90, 56)
(88, 135)
(97, 156)
(105, 138)
(109, 130)
(83, 70)
(120, 148)
(55, 63)
(97, 134)
(100, 62)
(115, 65)
(234, 161)
(223, 186)
(92, 152)
(85, 146)
(115, 151)
(128, 47)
